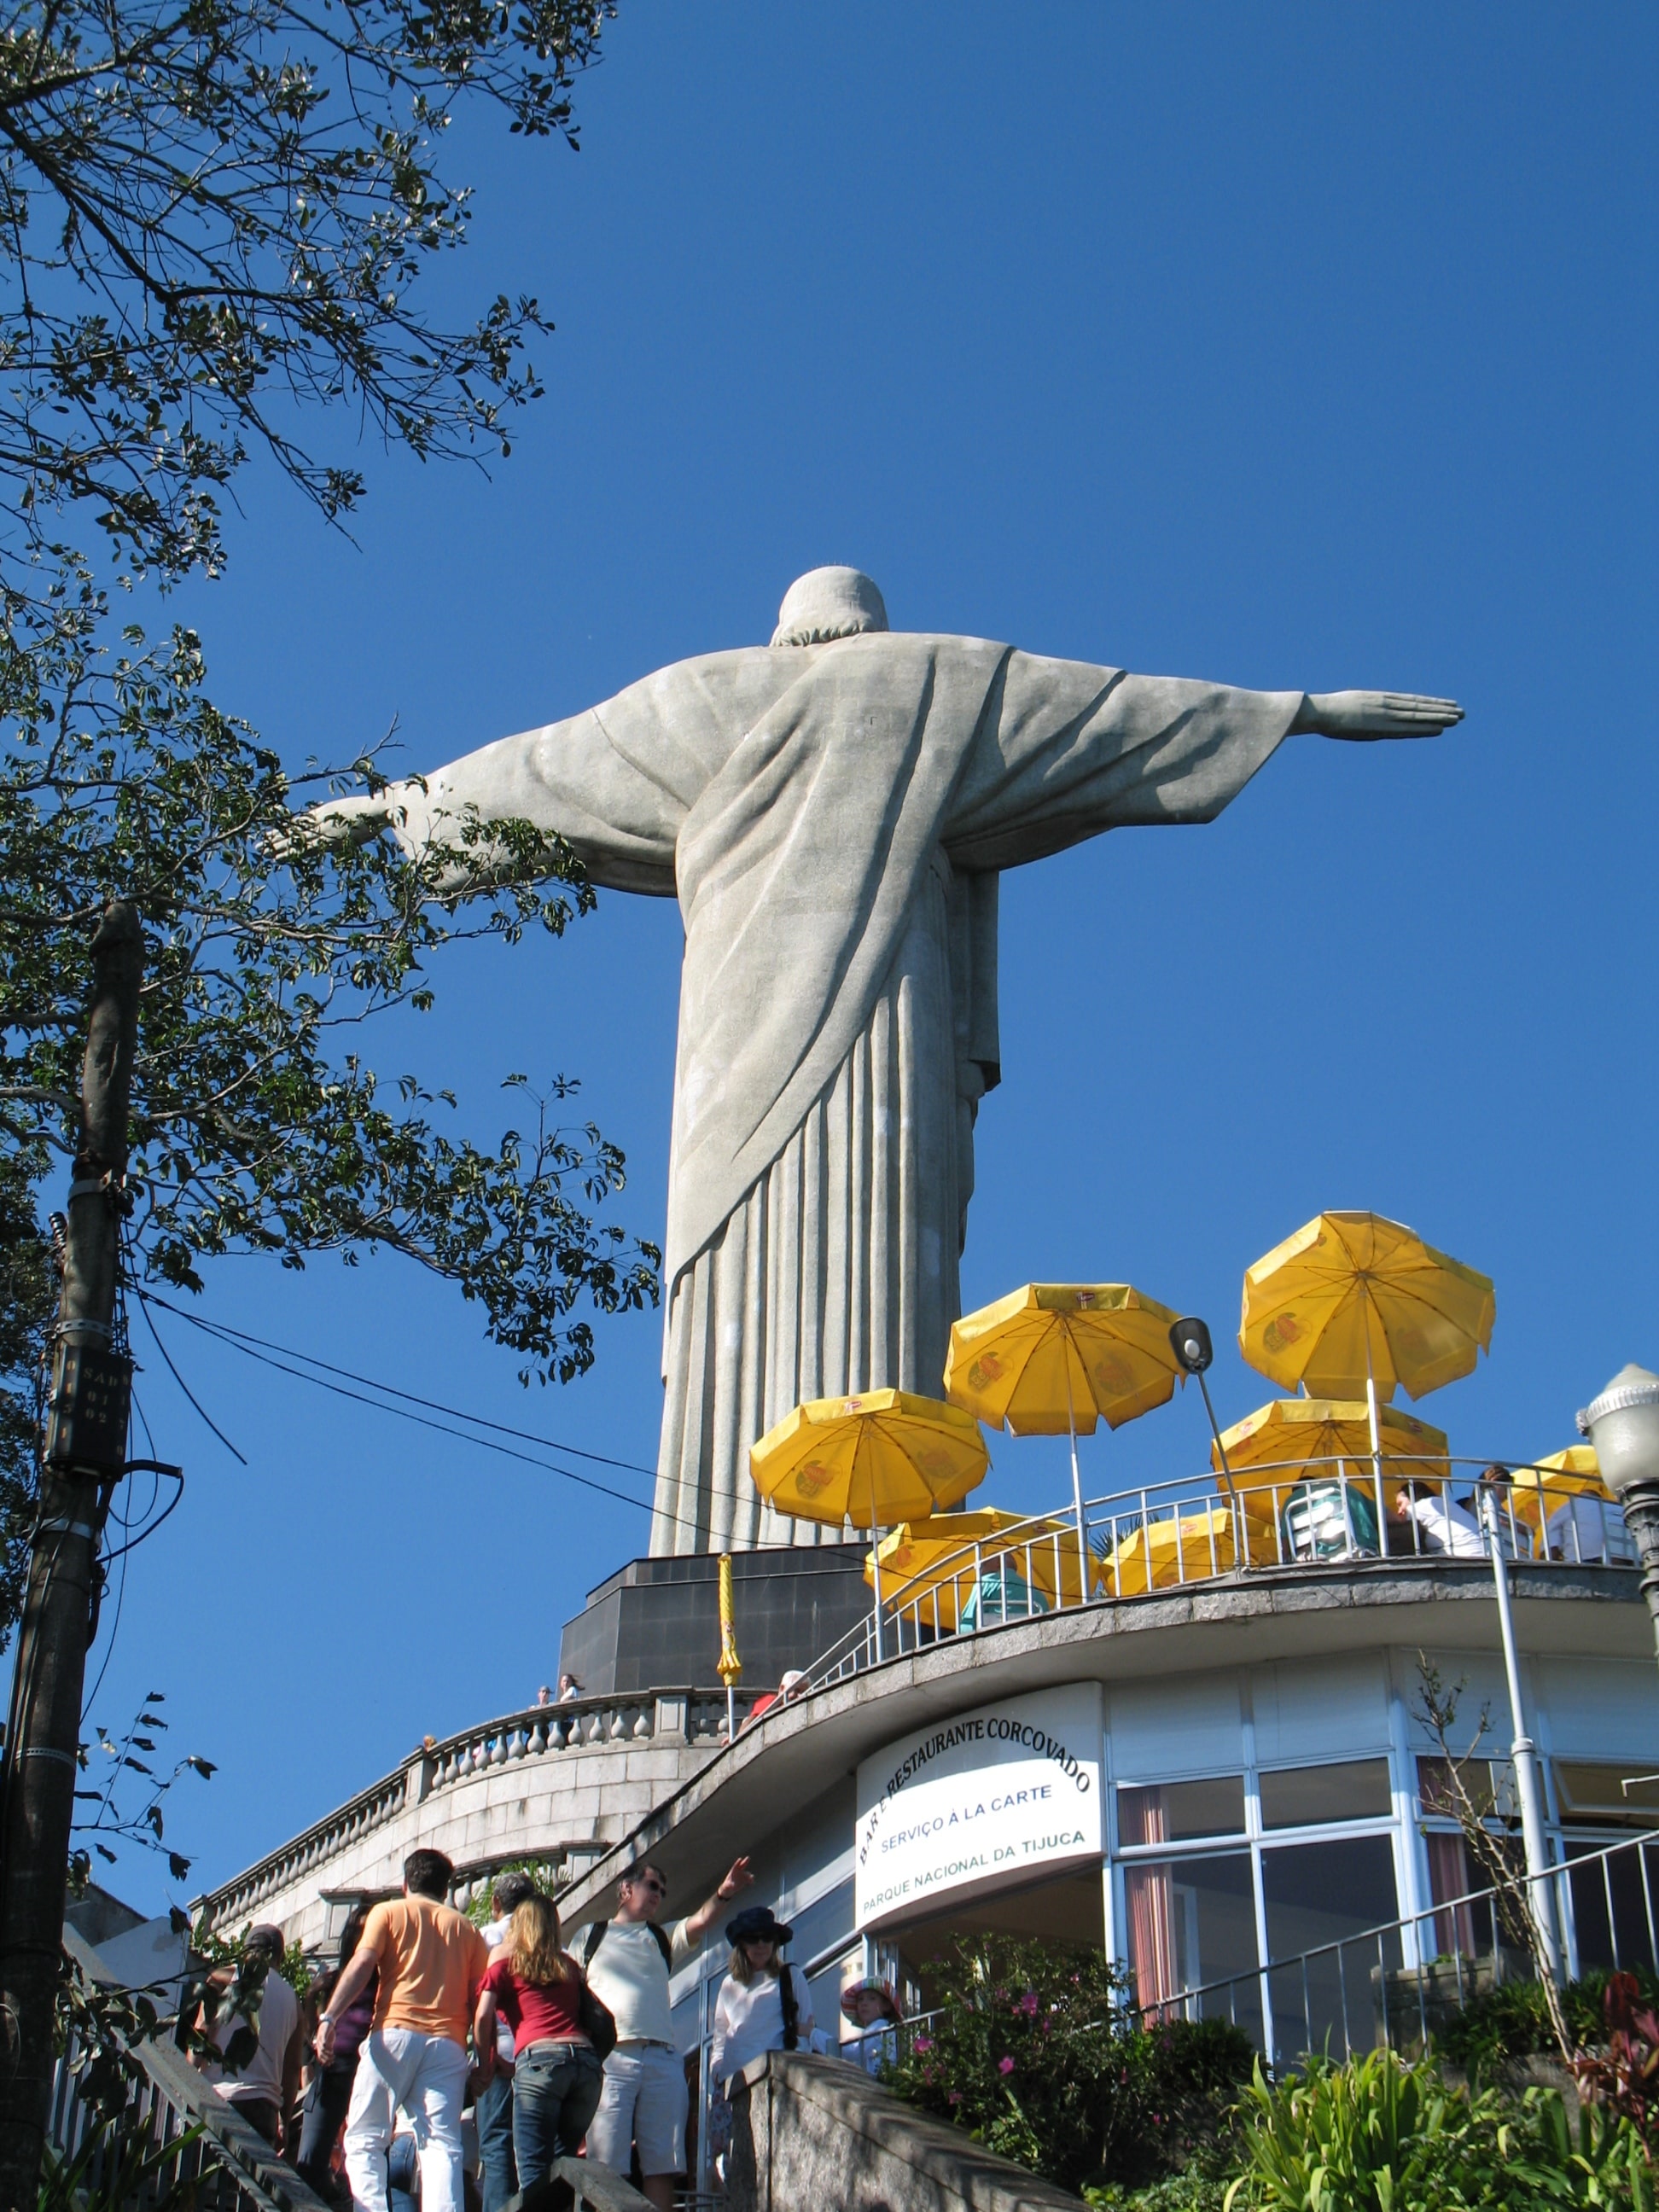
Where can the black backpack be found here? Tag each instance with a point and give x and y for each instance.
(596, 1936)
(791, 2004)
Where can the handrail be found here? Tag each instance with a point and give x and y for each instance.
(596, 2189)
(1457, 1913)
(1278, 1515)
(173, 2100)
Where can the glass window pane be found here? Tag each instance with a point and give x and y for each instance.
(1193, 1921)
(1170, 1812)
(1615, 1904)
(1601, 1791)
(1300, 1796)
(1325, 1894)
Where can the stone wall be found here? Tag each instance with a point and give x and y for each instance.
(817, 2131)
(561, 1784)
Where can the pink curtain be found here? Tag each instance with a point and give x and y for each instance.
(1448, 1877)
(1149, 1897)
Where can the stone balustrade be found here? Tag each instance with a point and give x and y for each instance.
(559, 1783)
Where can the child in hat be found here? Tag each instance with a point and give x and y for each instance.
(874, 2009)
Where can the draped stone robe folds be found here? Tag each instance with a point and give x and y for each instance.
(833, 819)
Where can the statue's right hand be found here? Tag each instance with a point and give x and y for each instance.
(351, 819)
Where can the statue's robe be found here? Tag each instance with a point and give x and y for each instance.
(833, 819)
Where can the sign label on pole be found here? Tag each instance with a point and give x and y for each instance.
(984, 1801)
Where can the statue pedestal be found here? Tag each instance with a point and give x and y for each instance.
(657, 1621)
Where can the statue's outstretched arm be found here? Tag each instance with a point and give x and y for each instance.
(1364, 715)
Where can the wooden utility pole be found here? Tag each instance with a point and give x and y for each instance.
(84, 1453)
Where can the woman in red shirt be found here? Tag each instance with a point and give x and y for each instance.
(536, 1987)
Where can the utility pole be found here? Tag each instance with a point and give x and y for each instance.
(85, 1451)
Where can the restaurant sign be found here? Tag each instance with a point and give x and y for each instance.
(986, 1799)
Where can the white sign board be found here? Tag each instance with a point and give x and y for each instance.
(984, 1801)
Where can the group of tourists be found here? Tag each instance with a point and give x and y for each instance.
(557, 2050)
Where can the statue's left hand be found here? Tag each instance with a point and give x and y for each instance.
(1369, 714)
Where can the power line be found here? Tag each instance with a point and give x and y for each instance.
(241, 1337)
(240, 1341)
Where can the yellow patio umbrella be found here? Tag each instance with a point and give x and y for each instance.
(883, 1457)
(934, 1564)
(1355, 1305)
(1186, 1547)
(1537, 1490)
(1289, 1434)
(1055, 1358)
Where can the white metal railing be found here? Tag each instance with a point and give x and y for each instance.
(1163, 1536)
(1400, 1983)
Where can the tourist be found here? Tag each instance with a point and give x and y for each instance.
(643, 2102)
(763, 2003)
(430, 1960)
(874, 2009)
(533, 1987)
(543, 1696)
(328, 2094)
(570, 1687)
(1442, 1526)
(492, 2107)
(793, 1685)
(266, 2087)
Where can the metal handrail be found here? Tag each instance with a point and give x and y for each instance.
(227, 2158)
(596, 2189)
(1201, 2001)
(1163, 1536)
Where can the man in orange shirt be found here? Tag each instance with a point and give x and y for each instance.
(430, 1960)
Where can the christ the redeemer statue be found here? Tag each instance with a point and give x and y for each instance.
(833, 812)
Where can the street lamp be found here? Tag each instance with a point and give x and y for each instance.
(1623, 1424)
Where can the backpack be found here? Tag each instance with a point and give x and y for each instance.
(791, 2004)
(596, 1936)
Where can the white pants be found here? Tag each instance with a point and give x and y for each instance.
(424, 2075)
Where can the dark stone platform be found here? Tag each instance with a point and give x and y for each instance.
(657, 1622)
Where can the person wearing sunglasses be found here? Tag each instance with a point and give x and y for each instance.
(643, 2102)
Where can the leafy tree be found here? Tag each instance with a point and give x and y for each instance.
(215, 217)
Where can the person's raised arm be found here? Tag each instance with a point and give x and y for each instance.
(698, 1924)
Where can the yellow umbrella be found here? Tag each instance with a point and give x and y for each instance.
(1351, 1299)
(1187, 1548)
(1539, 1489)
(1055, 1358)
(1354, 1303)
(886, 1455)
(1286, 1434)
(933, 1564)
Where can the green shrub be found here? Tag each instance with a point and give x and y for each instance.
(1379, 2134)
(1513, 2022)
(1037, 2057)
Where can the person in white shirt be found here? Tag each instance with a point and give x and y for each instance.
(764, 2004)
(873, 2010)
(644, 2102)
(265, 2090)
(1445, 1528)
(493, 2106)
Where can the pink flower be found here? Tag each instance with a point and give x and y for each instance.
(1004, 2066)
(925, 2043)
(1028, 2004)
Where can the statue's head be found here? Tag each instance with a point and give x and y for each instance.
(827, 603)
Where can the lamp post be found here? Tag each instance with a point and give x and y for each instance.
(1623, 1424)
(1528, 1788)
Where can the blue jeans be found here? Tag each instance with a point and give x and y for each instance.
(493, 2109)
(555, 2092)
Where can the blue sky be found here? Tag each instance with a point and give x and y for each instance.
(1294, 346)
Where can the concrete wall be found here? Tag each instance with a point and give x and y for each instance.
(817, 2131)
(560, 1783)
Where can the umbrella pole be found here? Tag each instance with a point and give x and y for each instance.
(1376, 1439)
(1077, 1489)
(875, 1555)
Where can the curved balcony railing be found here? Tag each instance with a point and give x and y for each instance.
(1164, 1536)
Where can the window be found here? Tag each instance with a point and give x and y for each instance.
(1191, 1922)
(1615, 1904)
(1302, 1797)
(1319, 1894)
(1488, 1783)
(1170, 1812)
(1624, 1794)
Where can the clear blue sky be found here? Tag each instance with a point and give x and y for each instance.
(1295, 346)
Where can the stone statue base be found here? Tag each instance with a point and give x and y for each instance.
(656, 1622)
